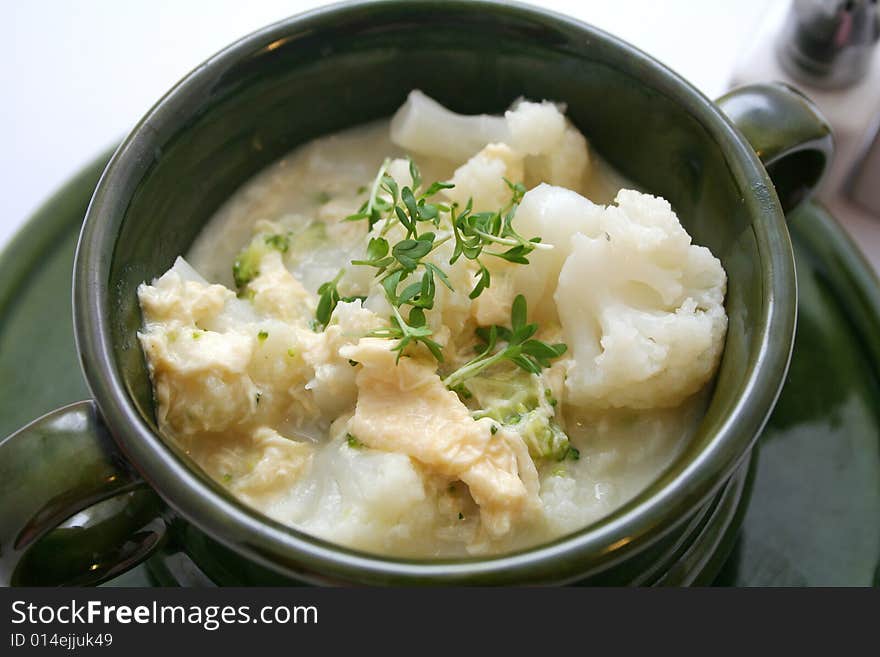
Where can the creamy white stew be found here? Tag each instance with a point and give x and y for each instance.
(437, 370)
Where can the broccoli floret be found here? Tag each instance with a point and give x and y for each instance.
(520, 401)
(278, 242)
(247, 263)
(544, 438)
(503, 396)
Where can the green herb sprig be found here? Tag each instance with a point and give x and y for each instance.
(422, 218)
(474, 232)
(402, 204)
(520, 348)
(328, 298)
(409, 332)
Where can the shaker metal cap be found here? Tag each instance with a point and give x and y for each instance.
(828, 43)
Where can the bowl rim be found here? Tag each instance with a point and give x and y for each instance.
(296, 554)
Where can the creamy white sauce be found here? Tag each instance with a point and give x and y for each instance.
(400, 510)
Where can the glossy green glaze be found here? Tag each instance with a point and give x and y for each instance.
(269, 92)
(58, 466)
(797, 149)
(815, 519)
(826, 454)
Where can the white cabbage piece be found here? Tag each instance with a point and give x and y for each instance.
(482, 178)
(554, 150)
(641, 308)
(187, 272)
(424, 126)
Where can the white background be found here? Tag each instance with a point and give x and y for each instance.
(77, 75)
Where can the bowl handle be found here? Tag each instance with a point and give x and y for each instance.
(788, 133)
(73, 511)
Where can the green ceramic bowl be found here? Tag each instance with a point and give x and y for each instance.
(334, 68)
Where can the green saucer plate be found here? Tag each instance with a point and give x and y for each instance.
(814, 516)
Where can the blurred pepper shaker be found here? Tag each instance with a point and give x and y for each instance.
(826, 48)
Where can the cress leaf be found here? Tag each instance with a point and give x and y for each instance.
(518, 313)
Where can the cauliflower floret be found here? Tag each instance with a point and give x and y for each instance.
(280, 372)
(333, 386)
(362, 498)
(482, 177)
(565, 165)
(405, 408)
(332, 213)
(554, 150)
(557, 151)
(535, 128)
(641, 309)
(451, 307)
(555, 214)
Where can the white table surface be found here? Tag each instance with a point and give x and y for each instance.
(76, 75)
